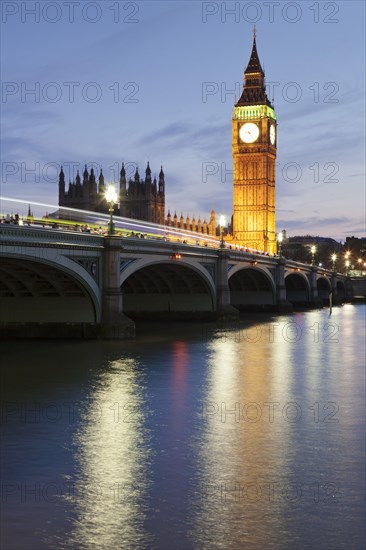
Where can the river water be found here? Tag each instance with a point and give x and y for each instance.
(190, 437)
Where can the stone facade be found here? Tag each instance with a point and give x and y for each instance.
(138, 199)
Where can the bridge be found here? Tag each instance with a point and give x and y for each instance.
(67, 283)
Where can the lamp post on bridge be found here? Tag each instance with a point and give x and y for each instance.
(334, 259)
(347, 267)
(114, 323)
(347, 261)
(222, 225)
(112, 198)
(312, 250)
(280, 239)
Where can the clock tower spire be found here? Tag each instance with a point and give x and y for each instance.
(254, 155)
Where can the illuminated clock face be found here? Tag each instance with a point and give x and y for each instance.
(249, 132)
(272, 134)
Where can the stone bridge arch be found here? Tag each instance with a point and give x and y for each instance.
(156, 287)
(297, 286)
(251, 286)
(41, 290)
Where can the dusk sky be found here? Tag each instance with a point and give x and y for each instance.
(155, 81)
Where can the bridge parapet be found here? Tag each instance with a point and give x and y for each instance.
(44, 236)
(130, 244)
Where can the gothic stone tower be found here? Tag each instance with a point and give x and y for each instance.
(143, 200)
(254, 139)
(138, 199)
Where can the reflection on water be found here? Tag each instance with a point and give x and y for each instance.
(236, 438)
(273, 438)
(239, 452)
(111, 455)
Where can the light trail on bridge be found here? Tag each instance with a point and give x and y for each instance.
(68, 217)
(152, 230)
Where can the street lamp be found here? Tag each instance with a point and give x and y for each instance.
(222, 225)
(112, 198)
(280, 239)
(347, 267)
(312, 250)
(334, 259)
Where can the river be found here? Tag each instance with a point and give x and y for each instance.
(193, 436)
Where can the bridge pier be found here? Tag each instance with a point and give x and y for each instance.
(114, 324)
(225, 311)
(333, 281)
(315, 301)
(281, 302)
(350, 289)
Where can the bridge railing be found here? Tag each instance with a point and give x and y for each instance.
(43, 235)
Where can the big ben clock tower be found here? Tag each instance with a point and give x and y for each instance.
(254, 140)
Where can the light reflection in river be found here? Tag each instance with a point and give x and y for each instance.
(111, 459)
(239, 459)
(250, 437)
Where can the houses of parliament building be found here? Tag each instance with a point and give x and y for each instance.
(138, 199)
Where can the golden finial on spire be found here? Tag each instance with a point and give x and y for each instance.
(254, 32)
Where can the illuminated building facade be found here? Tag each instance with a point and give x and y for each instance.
(138, 199)
(254, 141)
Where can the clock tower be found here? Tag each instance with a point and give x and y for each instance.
(254, 140)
